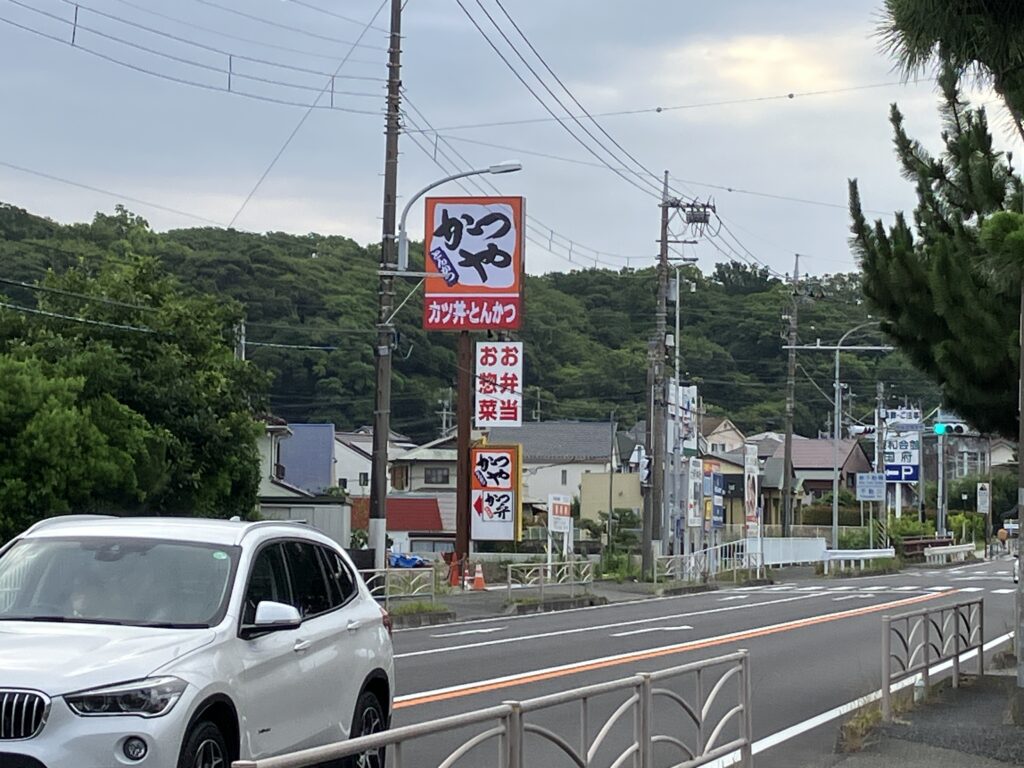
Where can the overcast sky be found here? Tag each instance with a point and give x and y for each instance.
(72, 114)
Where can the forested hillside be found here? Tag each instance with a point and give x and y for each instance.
(309, 304)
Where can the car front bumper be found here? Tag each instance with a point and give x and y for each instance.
(70, 741)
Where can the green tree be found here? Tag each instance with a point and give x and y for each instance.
(62, 450)
(941, 302)
(978, 38)
(167, 357)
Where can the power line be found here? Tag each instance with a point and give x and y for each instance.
(208, 48)
(659, 110)
(70, 318)
(249, 40)
(279, 25)
(77, 45)
(302, 120)
(575, 101)
(334, 14)
(74, 295)
(136, 200)
(542, 102)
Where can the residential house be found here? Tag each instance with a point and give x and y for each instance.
(280, 499)
(426, 468)
(813, 465)
(768, 442)
(557, 454)
(272, 470)
(308, 457)
(625, 492)
(353, 458)
(1002, 454)
(420, 523)
(721, 434)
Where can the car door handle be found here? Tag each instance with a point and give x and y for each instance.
(301, 646)
(353, 625)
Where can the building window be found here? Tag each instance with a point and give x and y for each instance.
(968, 463)
(565, 477)
(364, 479)
(435, 475)
(718, 447)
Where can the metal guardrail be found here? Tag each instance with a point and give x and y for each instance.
(851, 556)
(955, 553)
(387, 584)
(706, 717)
(542, 576)
(707, 564)
(928, 636)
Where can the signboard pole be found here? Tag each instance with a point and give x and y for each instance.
(464, 406)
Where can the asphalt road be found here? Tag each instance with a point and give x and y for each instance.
(813, 645)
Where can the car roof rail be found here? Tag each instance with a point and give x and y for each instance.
(46, 522)
(257, 524)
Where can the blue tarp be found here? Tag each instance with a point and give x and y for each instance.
(399, 560)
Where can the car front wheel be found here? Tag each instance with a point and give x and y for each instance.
(204, 747)
(368, 719)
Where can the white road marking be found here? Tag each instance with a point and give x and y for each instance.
(815, 588)
(652, 629)
(596, 627)
(873, 589)
(732, 597)
(939, 589)
(481, 631)
(526, 676)
(841, 589)
(906, 589)
(1003, 591)
(798, 729)
(972, 589)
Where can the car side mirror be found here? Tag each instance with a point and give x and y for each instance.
(273, 617)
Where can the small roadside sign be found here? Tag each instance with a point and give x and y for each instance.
(870, 486)
(984, 499)
(559, 513)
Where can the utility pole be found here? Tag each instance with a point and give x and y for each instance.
(787, 472)
(611, 478)
(446, 412)
(654, 511)
(464, 417)
(386, 298)
(1019, 602)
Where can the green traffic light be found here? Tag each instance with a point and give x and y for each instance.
(940, 429)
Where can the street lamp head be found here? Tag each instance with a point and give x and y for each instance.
(509, 166)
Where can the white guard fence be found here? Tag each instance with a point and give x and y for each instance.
(912, 642)
(954, 553)
(850, 558)
(778, 551)
(708, 564)
(389, 584)
(574, 575)
(685, 717)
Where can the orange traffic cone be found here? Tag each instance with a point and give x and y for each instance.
(478, 579)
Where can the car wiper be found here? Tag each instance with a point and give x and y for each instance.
(63, 620)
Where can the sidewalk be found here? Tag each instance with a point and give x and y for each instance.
(957, 728)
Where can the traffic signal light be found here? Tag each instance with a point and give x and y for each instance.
(950, 428)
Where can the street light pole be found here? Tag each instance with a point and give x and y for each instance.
(836, 426)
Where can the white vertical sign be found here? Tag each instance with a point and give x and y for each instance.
(751, 470)
(984, 499)
(695, 494)
(499, 384)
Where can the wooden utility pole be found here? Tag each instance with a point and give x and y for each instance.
(386, 298)
(654, 505)
(787, 472)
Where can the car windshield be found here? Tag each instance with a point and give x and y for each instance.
(106, 580)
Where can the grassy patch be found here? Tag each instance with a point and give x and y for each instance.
(414, 607)
(856, 732)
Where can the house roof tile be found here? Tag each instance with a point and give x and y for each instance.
(563, 441)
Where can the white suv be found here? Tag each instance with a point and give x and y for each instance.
(184, 643)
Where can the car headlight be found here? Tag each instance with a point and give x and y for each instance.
(146, 698)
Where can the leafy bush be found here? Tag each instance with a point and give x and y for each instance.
(821, 514)
(972, 522)
(857, 539)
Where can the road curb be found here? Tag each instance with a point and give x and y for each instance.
(413, 620)
(560, 604)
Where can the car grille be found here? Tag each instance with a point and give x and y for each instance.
(22, 714)
(7, 760)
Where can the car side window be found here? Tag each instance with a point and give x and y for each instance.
(309, 586)
(268, 580)
(340, 579)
